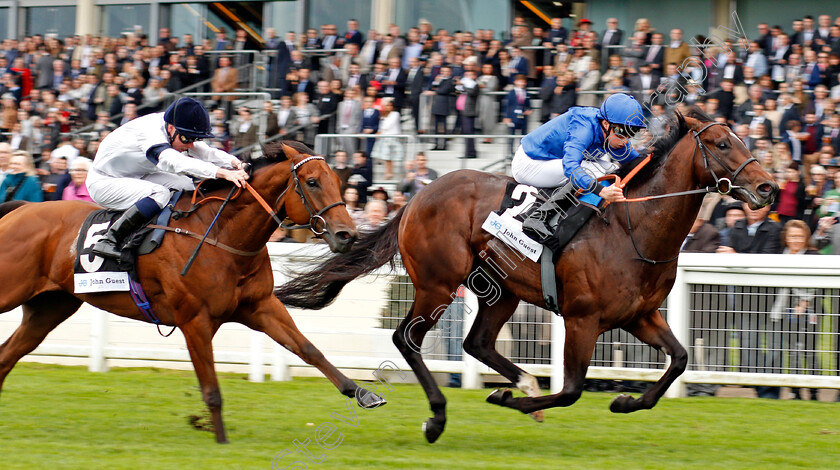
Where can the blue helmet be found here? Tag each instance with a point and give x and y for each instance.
(622, 110)
(189, 118)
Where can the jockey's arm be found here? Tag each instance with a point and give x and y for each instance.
(216, 156)
(574, 152)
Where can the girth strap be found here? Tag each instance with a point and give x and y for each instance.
(209, 241)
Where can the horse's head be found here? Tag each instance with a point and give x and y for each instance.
(723, 161)
(312, 198)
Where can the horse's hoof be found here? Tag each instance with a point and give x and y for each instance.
(499, 396)
(621, 404)
(539, 416)
(432, 430)
(368, 399)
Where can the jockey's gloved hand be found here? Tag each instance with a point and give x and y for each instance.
(237, 177)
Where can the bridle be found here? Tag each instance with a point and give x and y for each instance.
(314, 216)
(706, 151)
(722, 185)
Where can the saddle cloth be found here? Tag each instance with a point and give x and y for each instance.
(97, 274)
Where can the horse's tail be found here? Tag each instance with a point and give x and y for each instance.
(317, 289)
(7, 207)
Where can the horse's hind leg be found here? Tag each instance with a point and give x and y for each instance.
(481, 341)
(198, 334)
(581, 335)
(40, 316)
(272, 318)
(654, 331)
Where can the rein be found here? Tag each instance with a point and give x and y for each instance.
(314, 216)
(722, 185)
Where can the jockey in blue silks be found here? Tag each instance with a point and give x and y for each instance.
(577, 147)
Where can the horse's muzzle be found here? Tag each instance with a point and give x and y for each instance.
(341, 241)
(759, 195)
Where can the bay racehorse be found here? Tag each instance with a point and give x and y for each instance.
(39, 246)
(615, 274)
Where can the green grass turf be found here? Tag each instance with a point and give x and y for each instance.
(54, 417)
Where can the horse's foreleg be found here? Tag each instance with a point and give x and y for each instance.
(40, 316)
(198, 334)
(581, 335)
(272, 318)
(654, 331)
(481, 341)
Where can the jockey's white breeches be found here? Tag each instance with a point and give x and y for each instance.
(550, 173)
(122, 193)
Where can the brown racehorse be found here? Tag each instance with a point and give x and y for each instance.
(36, 268)
(602, 281)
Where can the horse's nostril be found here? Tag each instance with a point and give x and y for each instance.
(345, 236)
(766, 189)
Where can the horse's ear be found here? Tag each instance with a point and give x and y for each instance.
(274, 151)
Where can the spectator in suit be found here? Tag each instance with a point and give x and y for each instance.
(224, 80)
(655, 54)
(285, 116)
(757, 60)
(415, 82)
(634, 54)
(272, 127)
(518, 108)
(754, 234)
(353, 36)
(643, 84)
(418, 177)
(677, 51)
(356, 78)
(305, 117)
(557, 34)
(549, 83)
(469, 87)
(611, 37)
(341, 168)
(349, 120)
(590, 82)
(765, 38)
(369, 52)
(279, 68)
(362, 177)
(370, 121)
(244, 131)
(443, 89)
(327, 103)
(565, 95)
(518, 64)
(305, 83)
(394, 82)
(702, 238)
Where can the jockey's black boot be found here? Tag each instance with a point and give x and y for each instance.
(129, 221)
(536, 225)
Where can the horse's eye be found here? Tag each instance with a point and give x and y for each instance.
(312, 183)
(723, 145)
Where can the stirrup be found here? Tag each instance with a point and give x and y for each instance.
(106, 248)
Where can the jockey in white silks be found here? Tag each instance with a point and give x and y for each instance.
(577, 147)
(138, 165)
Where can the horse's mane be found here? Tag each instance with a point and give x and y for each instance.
(675, 129)
(273, 152)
